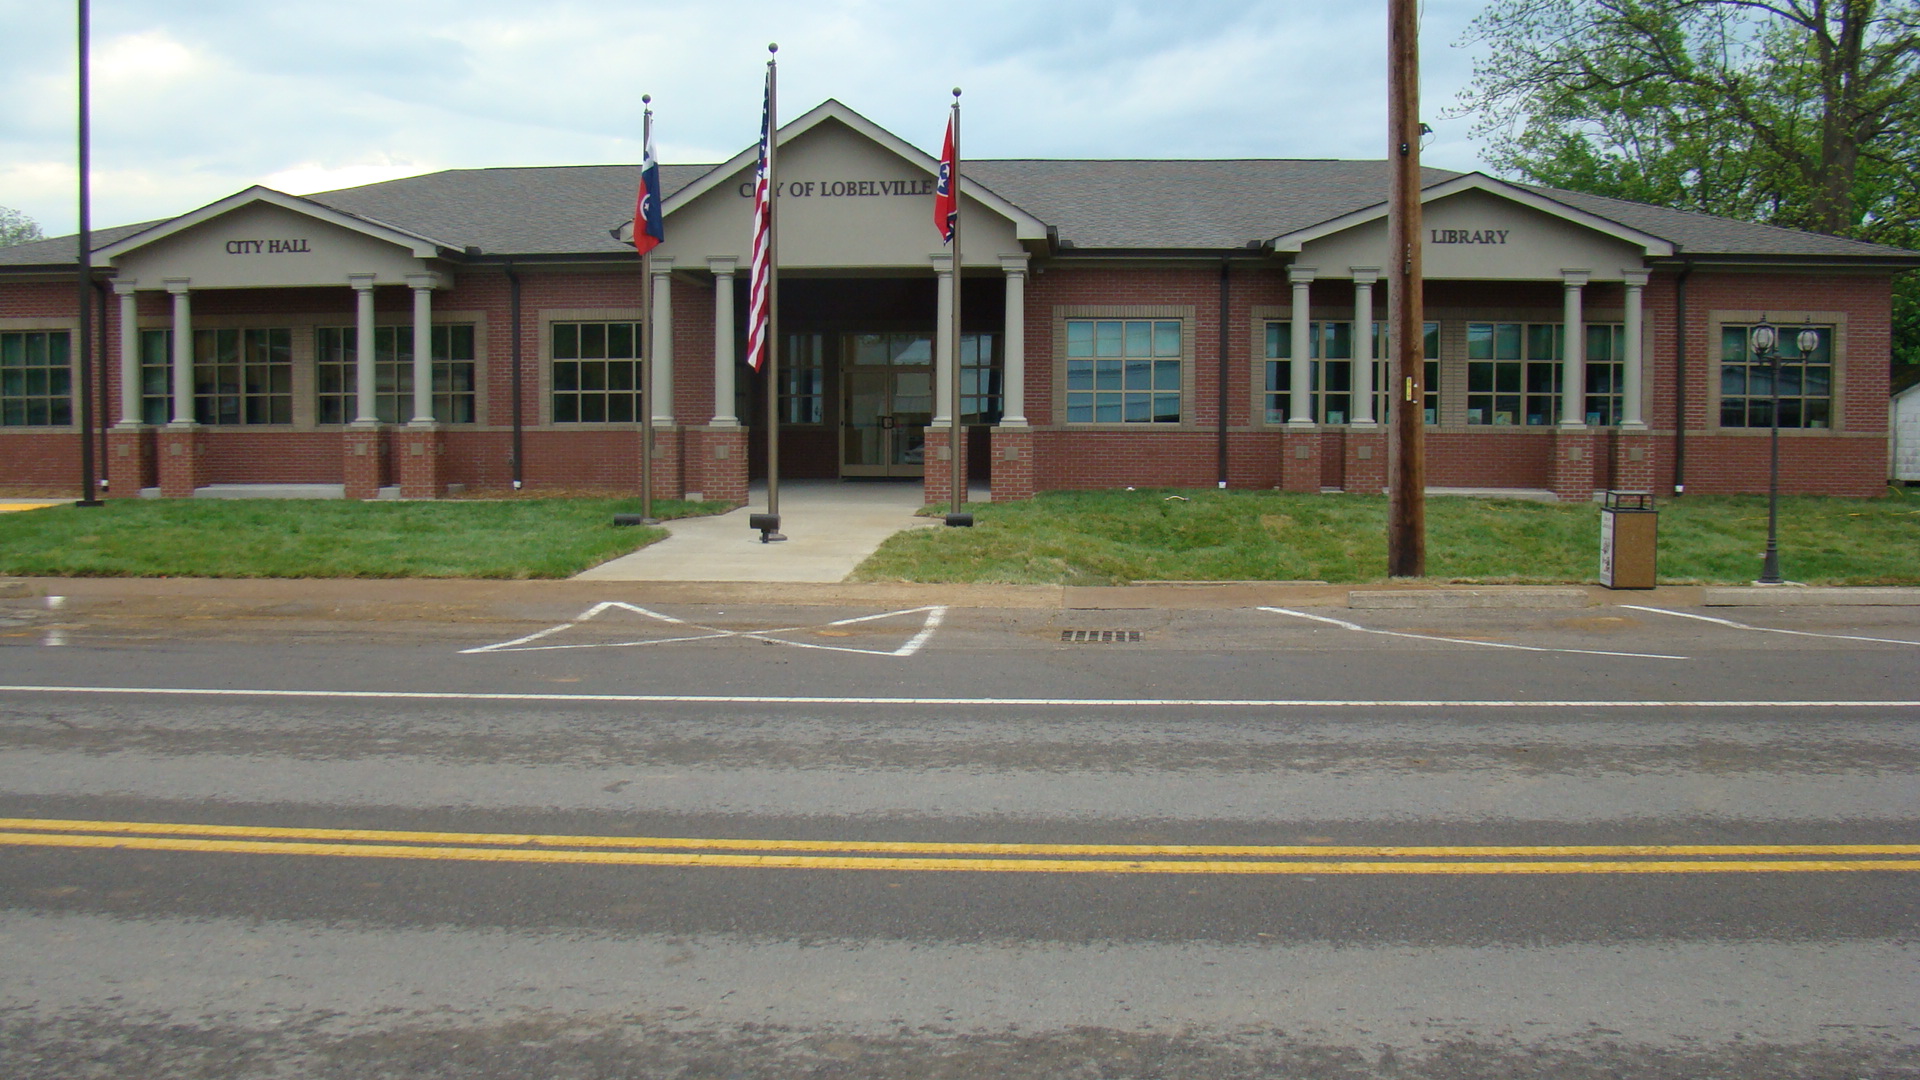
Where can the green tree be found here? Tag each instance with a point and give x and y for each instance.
(16, 227)
(1799, 113)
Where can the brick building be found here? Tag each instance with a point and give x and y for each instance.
(1179, 323)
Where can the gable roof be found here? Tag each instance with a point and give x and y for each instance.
(421, 245)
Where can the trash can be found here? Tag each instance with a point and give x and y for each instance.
(1629, 527)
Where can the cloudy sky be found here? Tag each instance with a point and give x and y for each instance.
(196, 99)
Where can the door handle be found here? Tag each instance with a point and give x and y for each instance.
(886, 422)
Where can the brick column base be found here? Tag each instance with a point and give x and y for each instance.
(130, 461)
(1633, 452)
(1300, 460)
(363, 461)
(1572, 472)
(1012, 464)
(667, 464)
(1366, 460)
(716, 464)
(938, 479)
(182, 465)
(422, 454)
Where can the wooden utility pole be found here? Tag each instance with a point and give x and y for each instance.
(1406, 323)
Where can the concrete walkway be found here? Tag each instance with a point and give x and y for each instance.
(831, 526)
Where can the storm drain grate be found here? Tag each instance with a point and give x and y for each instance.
(1098, 637)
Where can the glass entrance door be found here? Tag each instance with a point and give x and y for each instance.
(888, 402)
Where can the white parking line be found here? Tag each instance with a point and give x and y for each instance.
(958, 702)
(1769, 629)
(1345, 625)
(934, 617)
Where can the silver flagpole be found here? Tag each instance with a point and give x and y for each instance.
(773, 293)
(648, 330)
(957, 491)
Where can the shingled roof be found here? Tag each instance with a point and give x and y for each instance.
(1117, 206)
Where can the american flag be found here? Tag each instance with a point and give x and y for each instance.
(761, 274)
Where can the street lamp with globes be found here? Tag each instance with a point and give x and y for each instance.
(1764, 339)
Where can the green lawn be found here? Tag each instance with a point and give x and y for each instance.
(266, 538)
(1202, 535)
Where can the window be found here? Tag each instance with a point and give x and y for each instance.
(1123, 371)
(1513, 373)
(36, 381)
(243, 376)
(337, 378)
(156, 376)
(803, 380)
(596, 373)
(1606, 365)
(1330, 348)
(1746, 381)
(980, 379)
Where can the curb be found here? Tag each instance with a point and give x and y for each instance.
(1510, 596)
(1808, 596)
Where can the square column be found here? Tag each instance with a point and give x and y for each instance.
(1633, 376)
(723, 361)
(363, 460)
(1633, 459)
(660, 331)
(716, 466)
(1300, 458)
(667, 464)
(1013, 378)
(1573, 358)
(937, 481)
(421, 449)
(1300, 368)
(1363, 279)
(181, 469)
(130, 443)
(1572, 470)
(1012, 472)
(1366, 464)
(364, 410)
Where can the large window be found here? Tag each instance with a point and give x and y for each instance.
(803, 379)
(1330, 350)
(1123, 371)
(1746, 381)
(980, 379)
(596, 373)
(1513, 373)
(36, 381)
(1606, 366)
(243, 376)
(336, 374)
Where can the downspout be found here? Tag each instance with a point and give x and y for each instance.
(1221, 449)
(519, 425)
(1680, 379)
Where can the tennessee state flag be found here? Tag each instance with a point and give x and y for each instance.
(946, 192)
(648, 227)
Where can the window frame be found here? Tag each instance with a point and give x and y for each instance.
(397, 360)
(1183, 316)
(1267, 367)
(1833, 322)
(24, 329)
(551, 318)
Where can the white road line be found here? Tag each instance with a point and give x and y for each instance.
(1343, 624)
(1769, 629)
(935, 615)
(965, 702)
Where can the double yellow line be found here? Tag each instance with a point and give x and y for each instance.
(999, 858)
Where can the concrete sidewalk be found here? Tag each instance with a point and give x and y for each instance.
(831, 527)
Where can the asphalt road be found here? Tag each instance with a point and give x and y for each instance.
(699, 841)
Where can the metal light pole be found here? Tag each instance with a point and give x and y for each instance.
(1764, 340)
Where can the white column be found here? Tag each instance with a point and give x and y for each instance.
(422, 285)
(1633, 362)
(364, 410)
(182, 352)
(943, 340)
(130, 411)
(1013, 377)
(1300, 369)
(723, 360)
(1363, 279)
(660, 326)
(1573, 357)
